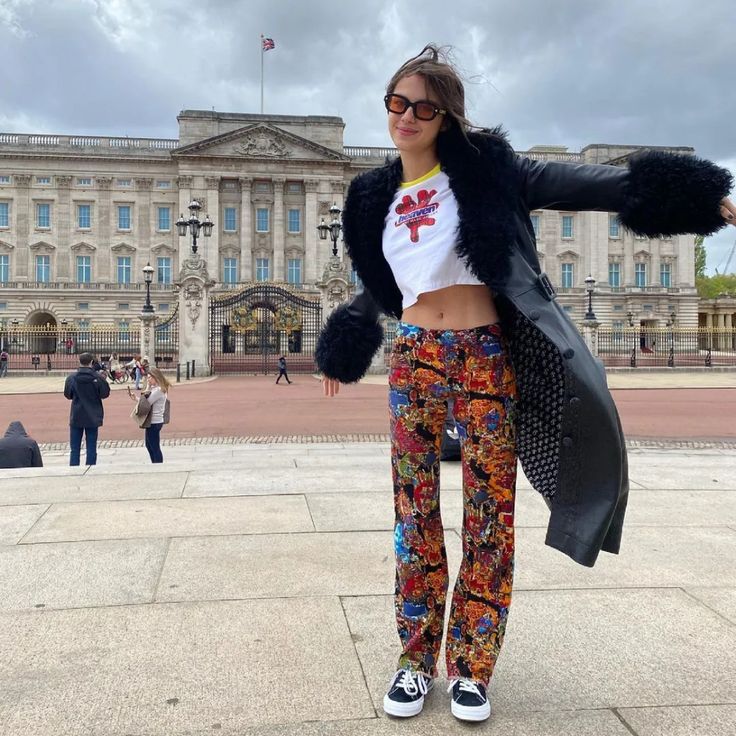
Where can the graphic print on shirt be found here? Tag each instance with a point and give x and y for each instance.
(415, 214)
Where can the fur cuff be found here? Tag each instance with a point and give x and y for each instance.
(347, 345)
(667, 194)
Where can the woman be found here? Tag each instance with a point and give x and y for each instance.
(157, 395)
(441, 239)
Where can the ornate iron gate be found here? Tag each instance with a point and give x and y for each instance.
(167, 340)
(250, 329)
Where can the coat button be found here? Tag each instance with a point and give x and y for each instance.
(574, 400)
(568, 353)
(567, 441)
(534, 315)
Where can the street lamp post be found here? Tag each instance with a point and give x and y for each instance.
(589, 287)
(630, 317)
(148, 277)
(671, 325)
(334, 228)
(194, 224)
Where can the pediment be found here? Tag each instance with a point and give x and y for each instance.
(123, 248)
(260, 141)
(83, 248)
(42, 245)
(568, 254)
(162, 249)
(642, 254)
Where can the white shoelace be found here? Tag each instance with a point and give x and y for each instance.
(467, 686)
(412, 682)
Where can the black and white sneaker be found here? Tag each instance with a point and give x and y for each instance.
(405, 696)
(469, 700)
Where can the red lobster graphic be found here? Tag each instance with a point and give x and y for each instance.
(415, 214)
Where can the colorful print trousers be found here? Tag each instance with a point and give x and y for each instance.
(472, 369)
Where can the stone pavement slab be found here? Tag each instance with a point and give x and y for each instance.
(720, 600)
(79, 575)
(15, 521)
(689, 720)
(171, 518)
(178, 669)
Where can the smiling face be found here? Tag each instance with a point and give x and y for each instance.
(410, 135)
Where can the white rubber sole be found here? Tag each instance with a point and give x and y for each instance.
(465, 713)
(402, 710)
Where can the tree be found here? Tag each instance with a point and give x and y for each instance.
(699, 257)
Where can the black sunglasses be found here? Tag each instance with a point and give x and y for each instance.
(423, 109)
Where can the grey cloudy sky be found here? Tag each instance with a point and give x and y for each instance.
(568, 72)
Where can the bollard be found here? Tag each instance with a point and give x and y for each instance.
(178, 372)
(192, 368)
(187, 370)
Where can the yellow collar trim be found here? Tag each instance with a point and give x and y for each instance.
(432, 172)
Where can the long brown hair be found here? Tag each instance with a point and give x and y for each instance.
(161, 379)
(443, 81)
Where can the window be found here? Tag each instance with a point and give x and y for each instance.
(43, 269)
(640, 274)
(83, 332)
(4, 214)
(163, 307)
(4, 269)
(43, 215)
(164, 218)
(261, 269)
(665, 274)
(84, 269)
(295, 221)
(83, 305)
(294, 273)
(123, 182)
(84, 181)
(568, 275)
(614, 274)
(354, 279)
(84, 216)
(261, 220)
(263, 186)
(3, 306)
(123, 306)
(43, 180)
(124, 327)
(230, 220)
(163, 268)
(535, 225)
(294, 187)
(163, 184)
(567, 231)
(124, 217)
(230, 270)
(4, 179)
(123, 269)
(613, 226)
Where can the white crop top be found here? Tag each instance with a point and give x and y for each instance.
(419, 237)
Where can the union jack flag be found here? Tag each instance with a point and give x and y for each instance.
(268, 44)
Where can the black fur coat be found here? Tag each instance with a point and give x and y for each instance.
(569, 436)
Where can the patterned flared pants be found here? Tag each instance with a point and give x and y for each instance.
(472, 369)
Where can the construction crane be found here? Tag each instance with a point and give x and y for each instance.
(728, 260)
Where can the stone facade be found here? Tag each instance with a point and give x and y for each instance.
(85, 214)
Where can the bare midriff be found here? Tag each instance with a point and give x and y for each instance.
(458, 307)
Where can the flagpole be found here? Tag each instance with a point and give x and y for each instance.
(261, 74)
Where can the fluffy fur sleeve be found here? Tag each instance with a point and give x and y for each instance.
(350, 338)
(667, 194)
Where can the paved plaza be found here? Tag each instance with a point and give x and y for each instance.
(247, 589)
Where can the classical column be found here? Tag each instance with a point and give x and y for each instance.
(103, 262)
(211, 249)
(143, 205)
(63, 228)
(23, 226)
(279, 229)
(628, 274)
(194, 285)
(246, 229)
(654, 246)
(310, 231)
(185, 197)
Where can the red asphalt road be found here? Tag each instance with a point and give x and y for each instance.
(254, 405)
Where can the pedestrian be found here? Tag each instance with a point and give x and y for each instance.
(442, 241)
(86, 389)
(145, 365)
(282, 370)
(137, 368)
(18, 450)
(157, 411)
(4, 358)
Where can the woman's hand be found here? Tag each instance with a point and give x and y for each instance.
(728, 210)
(330, 386)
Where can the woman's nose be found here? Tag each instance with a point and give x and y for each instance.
(408, 115)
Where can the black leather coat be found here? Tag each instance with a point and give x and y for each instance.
(569, 442)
